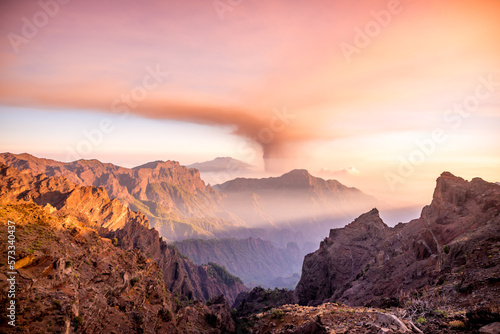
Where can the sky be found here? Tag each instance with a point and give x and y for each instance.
(381, 95)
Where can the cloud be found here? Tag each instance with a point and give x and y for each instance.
(263, 57)
(349, 171)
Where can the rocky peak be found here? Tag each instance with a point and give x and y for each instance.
(450, 190)
(368, 224)
(367, 259)
(297, 178)
(370, 218)
(459, 206)
(89, 163)
(159, 164)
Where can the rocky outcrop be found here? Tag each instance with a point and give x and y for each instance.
(342, 258)
(175, 199)
(92, 207)
(453, 245)
(256, 261)
(327, 318)
(259, 300)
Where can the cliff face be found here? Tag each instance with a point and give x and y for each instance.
(455, 240)
(175, 199)
(92, 207)
(71, 280)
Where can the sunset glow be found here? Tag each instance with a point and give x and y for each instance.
(381, 95)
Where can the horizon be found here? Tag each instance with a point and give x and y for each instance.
(391, 214)
(383, 96)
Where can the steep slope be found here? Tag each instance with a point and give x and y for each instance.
(175, 199)
(70, 280)
(92, 207)
(453, 246)
(256, 261)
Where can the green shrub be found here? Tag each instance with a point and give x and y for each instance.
(77, 322)
(277, 314)
(69, 263)
(57, 304)
(446, 249)
(421, 320)
(114, 241)
(221, 274)
(441, 312)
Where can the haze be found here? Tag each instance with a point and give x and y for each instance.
(278, 84)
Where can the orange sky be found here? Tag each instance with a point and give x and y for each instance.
(366, 110)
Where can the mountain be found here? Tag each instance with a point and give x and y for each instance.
(296, 200)
(222, 169)
(92, 207)
(452, 250)
(89, 264)
(295, 207)
(71, 280)
(225, 164)
(174, 198)
(255, 261)
(439, 273)
(295, 194)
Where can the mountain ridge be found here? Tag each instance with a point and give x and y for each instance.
(92, 207)
(295, 200)
(367, 259)
(175, 199)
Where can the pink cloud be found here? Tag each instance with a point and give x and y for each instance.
(262, 56)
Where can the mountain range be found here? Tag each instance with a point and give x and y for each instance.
(439, 273)
(174, 198)
(456, 239)
(294, 208)
(88, 263)
(93, 209)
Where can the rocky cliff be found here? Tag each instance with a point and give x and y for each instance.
(175, 199)
(453, 247)
(92, 207)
